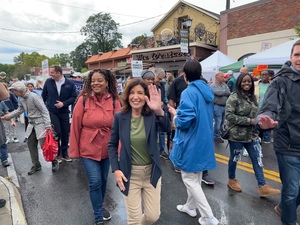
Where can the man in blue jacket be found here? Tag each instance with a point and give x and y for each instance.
(58, 94)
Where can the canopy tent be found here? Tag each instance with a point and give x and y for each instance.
(235, 67)
(277, 55)
(212, 64)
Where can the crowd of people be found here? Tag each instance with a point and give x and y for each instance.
(128, 132)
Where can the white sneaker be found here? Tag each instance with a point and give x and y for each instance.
(185, 209)
(15, 140)
(7, 141)
(208, 221)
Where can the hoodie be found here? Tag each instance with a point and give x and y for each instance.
(193, 149)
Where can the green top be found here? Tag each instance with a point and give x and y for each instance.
(139, 152)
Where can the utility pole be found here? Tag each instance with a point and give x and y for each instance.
(227, 4)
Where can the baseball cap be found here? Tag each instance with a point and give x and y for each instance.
(229, 72)
(76, 74)
(17, 86)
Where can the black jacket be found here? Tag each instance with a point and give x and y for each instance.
(67, 95)
(121, 131)
(282, 104)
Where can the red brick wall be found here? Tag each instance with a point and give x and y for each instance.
(268, 16)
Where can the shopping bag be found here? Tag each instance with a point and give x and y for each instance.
(50, 147)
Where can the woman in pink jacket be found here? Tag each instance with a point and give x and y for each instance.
(90, 132)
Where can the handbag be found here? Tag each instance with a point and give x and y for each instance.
(225, 132)
(50, 147)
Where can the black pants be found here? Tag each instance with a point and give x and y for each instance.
(61, 126)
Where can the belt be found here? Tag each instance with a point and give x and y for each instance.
(220, 105)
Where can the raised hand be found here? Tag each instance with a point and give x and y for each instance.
(155, 99)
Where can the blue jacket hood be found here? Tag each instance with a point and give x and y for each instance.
(204, 89)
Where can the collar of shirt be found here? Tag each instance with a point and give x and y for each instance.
(294, 70)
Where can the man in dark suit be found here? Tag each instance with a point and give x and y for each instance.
(58, 94)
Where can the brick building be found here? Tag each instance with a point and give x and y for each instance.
(257, 26)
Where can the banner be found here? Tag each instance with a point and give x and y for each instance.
(137, 68)
(45, 67)
(184, 41)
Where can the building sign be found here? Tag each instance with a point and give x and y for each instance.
(45, 67)
(137, 68)
(265, 46)
(184, 41)
(161, 55)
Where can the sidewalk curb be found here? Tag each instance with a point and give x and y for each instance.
(16, 207)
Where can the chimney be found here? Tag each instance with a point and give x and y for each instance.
(100, 53)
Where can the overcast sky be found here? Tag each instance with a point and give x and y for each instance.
(24, 24)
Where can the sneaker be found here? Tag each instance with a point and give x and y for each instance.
(5, 163)
(15, 140)
(55, 165)
(218, 140)
(208, 221)
(67, 159)
(177, 170)
(106, 215)
(245, 153)
(7, 141)
(207, 180)
(34, 169)
(185, 209)
(2, 203)
(59, 159)
(267, 142)
(164, 155)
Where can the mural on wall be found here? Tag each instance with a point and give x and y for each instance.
(205, 36)
(166, 38)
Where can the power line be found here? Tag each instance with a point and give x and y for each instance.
(28, 46)
(72, 32)
(40, 32)
(119, 14)
(141, 20)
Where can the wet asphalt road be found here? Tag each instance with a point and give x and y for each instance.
(62, 198)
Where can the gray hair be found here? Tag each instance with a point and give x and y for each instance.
(159, 71)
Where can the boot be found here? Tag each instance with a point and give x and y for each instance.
(234, 185)
(267, 190)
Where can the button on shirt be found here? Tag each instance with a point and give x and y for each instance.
(59, 84)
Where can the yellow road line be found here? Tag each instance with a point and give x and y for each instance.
(270, 174)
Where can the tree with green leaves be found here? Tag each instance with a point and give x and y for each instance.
(141, 40)
(102, 33)
(79, 56)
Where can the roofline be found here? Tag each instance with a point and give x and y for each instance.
(257, 2)
(175, 6)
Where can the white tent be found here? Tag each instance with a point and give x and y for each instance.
(212, 64)
(277, 55)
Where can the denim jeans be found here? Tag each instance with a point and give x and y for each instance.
(97, 172)
(266, 136)
(219, 117)
(289, 169)
(3, 152)
(254, 150)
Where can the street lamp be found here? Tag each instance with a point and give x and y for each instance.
(188, 24)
